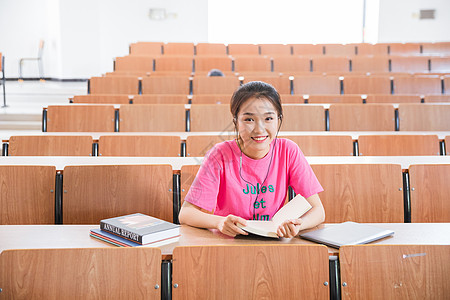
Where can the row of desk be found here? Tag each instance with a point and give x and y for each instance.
(77, 236)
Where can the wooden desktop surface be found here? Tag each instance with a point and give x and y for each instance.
(177, 162)
(6, 134)
(77, 236)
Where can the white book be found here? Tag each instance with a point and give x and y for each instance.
(294, 209)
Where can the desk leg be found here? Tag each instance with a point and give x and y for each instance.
(335, 287)
(166, 280)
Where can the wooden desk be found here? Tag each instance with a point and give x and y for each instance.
(6, 134)
(77, 236)
(177, 162)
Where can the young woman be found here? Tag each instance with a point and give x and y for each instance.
(248, 178)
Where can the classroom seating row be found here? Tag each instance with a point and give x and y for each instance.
(288, 65)
(229, 272)
(200, 49)
(217, 117)
(86, 194)
(291, 271)
(197, 146)
(298, 85)
(225, 99)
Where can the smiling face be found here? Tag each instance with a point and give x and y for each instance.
(257, 125)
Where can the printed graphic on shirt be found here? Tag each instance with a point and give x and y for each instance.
(259, 204)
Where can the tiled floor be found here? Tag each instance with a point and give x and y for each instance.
(26, 99)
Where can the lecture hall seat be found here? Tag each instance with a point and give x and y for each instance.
(440, 64)
(442, 48)
(394, 271)
(370, 64)
(96, 192)
(275, 49)
(281, 83)
(178, 49)
(387, 98)
(207, 63)
(405, 49)
(410, 64)
(367, 84)
(429, 193)
(174, 63)
(329, 99)
(326, 64)
(371, 49)
(368, 193)
(362, 117)
(101, 99)
(424, 117)
(243, 49)
(339, 49)
(303, 117)
(80, 118)
(187, 176)
(418, 85)
(83, 273)
(211, 49)
(214, 85)
(291, 64)
(306, 49)
(317, 84)
(244, 64)
(114, 85)
(146, 48)
(323, 145)
(174, 84)
(160, 99)
(28, 195)
(50, 145)
(139, 145)
(134, 63)
(398, 145)
(211, 117)
(152, 117)
(251, 272)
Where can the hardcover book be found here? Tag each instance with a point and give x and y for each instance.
(121, 242)
(294, 209)
(140, 228)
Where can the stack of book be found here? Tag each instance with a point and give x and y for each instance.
(136, 230)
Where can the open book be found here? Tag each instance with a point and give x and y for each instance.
(294, 209)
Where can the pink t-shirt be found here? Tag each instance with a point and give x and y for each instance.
(257, 190)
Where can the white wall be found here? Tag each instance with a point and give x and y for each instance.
(399, 21)
(83, 37)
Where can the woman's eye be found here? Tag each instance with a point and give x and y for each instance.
(269, 119)
(248, 120)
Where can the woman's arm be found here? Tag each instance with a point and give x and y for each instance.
(192, 215)
(312, 218)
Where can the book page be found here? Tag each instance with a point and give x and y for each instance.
(294, 209)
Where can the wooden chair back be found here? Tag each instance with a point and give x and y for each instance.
(306, 49)
(324, 64)
(174, 63)
(437, 98)
(323, 145)
(398, 145)
(403, 271)
(211, 117)
(50, 145)
(211, 99)
(417, 85)
(139, 145)
(275, 49)
(325, 85)
(334, 99)
(152, 117)
(291, 64)
(424, 117)
(166, 85)
(187, 176)
(28, 195)
(380, 98)
(210, 49)
(243, 49)
(214, 85)
(179, 49)
(101, 99)
(80, 118)
(405, 49)
(93, 193)
(362, 117)
(146, 48)
(85, 273)
(199, 145)
(368, 193)
(160, 99)
(339, 49)
(411, 64)
(429, 193)
(442, 48)
(251, 272)
(371, 49)
(370, 64)
(114, 85)
(134, 63)
(440, 64)
(303, 117)
(206, 63)
(252, 64)
(367, 85)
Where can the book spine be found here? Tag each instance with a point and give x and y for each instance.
(121, 232)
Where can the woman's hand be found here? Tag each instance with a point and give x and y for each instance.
(289, 228)
(228, 225)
